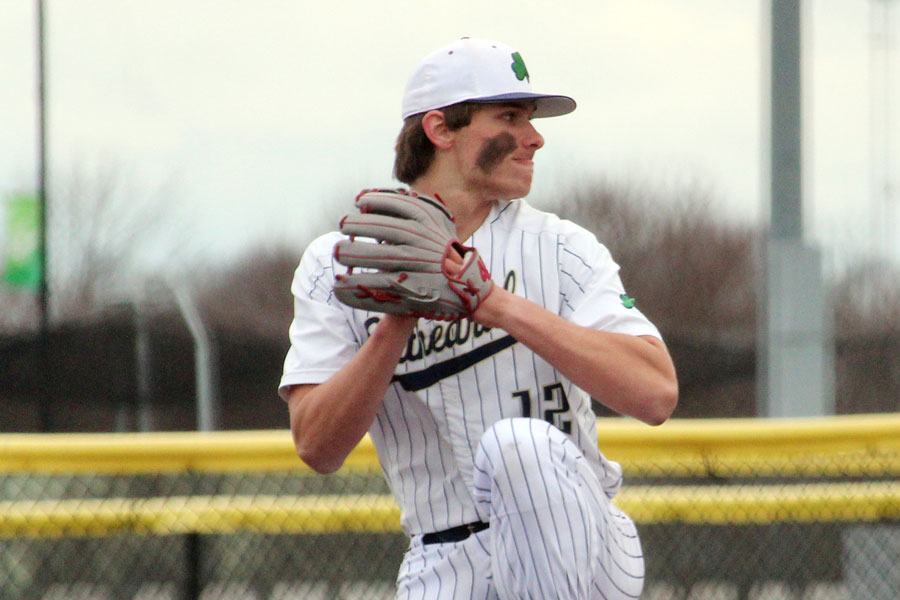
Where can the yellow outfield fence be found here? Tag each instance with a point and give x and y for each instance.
(371, 513)
(813, 504)
(862, 445)
(857, 446)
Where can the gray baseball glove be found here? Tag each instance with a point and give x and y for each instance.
(406, 272)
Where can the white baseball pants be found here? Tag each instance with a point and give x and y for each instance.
(553, 532)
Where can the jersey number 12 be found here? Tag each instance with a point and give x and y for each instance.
(556, 406)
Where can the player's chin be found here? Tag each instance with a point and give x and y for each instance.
(515, 187)
(520, 191)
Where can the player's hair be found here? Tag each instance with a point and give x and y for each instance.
(414, 152)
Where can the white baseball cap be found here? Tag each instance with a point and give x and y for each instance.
(478, 71)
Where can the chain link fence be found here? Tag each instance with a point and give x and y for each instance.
(799, 510)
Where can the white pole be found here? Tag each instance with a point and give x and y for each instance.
(208, 408)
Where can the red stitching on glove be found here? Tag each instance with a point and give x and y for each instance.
(485, 274)
(377, 295)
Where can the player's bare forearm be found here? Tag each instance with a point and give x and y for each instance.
(631, 375)
(329, 419)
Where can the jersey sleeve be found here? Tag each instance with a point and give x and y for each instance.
(322, 340)
(592, 294)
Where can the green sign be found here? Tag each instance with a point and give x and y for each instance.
(22, 258)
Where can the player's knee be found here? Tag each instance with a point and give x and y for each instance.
(519, 455)
(516, 430)
(518, 437)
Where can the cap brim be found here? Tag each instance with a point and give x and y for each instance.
(546, 105)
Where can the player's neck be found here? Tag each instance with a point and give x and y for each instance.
(469, 211)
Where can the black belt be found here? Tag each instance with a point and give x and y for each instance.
(454, 534)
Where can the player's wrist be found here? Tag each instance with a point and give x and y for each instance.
(493, 307)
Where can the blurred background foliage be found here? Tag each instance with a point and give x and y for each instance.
(693, 272)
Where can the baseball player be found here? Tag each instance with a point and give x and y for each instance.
(466, 332)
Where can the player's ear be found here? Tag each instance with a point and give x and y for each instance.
(435, 126)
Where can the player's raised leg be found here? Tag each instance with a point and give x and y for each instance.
(553, 532)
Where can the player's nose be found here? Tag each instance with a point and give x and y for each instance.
(532, 138)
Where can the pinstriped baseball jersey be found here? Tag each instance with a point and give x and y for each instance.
(456, 379)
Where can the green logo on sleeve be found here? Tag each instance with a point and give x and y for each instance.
(519, 68)
(626, 301)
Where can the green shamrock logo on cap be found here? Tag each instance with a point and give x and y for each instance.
(519, 68)
(626, 301)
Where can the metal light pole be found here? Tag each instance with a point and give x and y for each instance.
(43, 291)
(795, 364)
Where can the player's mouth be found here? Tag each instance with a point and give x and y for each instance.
(525, 162)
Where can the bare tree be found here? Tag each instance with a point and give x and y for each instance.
(106, 231)
(252, 295)
(867, 323)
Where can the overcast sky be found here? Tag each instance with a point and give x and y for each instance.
(259, 113)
